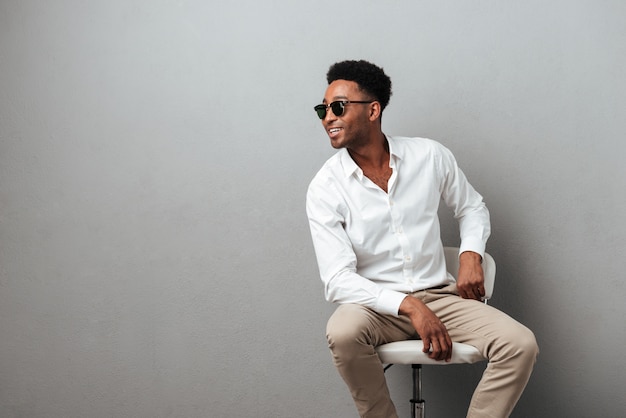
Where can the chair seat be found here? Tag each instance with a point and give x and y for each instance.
(410, 352)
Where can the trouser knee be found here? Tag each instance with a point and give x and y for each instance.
(343, 328)
(521, 346)
(527, 344)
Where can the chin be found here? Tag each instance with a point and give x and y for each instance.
(334, 144)
(337, 144)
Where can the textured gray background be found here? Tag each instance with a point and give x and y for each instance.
(154, 252)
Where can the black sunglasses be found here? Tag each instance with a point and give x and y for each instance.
(337, 107)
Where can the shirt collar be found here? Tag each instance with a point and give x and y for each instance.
(394, 149)
(348, 164)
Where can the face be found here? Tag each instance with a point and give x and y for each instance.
(352, 129)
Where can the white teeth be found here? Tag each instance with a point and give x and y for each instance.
(332, 131)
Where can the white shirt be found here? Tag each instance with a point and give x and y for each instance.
(374, 247)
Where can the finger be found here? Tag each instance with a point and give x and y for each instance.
(445, 351)
(435, 352)
(475, 293)
(449, 354)
(468, 292)
(426, 348)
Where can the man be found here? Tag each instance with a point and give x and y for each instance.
(372, 211)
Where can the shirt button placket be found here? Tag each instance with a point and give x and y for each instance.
(403, 241)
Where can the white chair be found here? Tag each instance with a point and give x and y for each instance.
(410, 351)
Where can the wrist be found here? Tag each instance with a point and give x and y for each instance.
(471, 256)
(410, 306)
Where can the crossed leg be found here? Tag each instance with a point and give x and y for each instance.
(354, 331)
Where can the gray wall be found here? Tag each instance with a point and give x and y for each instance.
(154, 253)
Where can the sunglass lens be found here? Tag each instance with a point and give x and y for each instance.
(321, 111)
(337, 108)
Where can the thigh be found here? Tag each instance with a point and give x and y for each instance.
(476, 323)
(356, 322)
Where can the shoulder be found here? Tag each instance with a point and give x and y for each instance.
(416, 145)
(325, 181)
(329, 170)
(325, 196)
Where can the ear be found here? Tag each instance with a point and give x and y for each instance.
(375, 111)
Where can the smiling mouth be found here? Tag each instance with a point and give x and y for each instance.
(333, 131)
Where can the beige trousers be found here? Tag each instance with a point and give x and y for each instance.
(353, 331)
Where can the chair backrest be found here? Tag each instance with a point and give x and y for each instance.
(489, 268)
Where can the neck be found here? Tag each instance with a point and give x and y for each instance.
(373, 155)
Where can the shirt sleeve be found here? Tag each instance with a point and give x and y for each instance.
(467, 204)
(336, 259)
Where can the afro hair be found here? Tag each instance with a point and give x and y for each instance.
(370, 78)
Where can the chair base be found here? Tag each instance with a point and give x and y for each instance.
(418, 410)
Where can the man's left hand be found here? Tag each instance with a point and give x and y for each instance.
(470, 282)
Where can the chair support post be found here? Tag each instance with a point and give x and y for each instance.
(404, 352)
(417, 403)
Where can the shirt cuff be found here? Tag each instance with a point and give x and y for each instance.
(389, 301)
(473, 244)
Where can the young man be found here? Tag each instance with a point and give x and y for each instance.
(372, 211)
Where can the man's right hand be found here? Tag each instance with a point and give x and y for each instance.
(431, 330)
